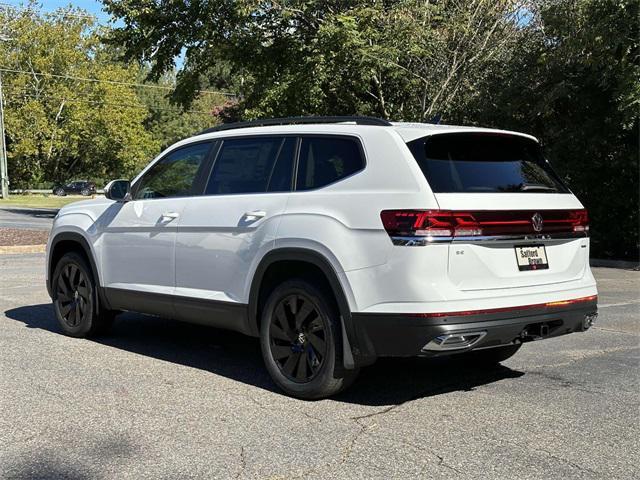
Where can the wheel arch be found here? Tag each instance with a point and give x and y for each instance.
(65, 242)
(290, 255)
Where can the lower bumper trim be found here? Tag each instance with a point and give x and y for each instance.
(401, 335)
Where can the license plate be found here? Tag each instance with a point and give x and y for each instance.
(533, 257)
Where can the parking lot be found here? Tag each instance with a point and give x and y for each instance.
(159, 399)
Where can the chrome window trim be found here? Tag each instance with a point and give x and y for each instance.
(419, 241)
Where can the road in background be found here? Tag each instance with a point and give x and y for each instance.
(31, 218)
(160, 399)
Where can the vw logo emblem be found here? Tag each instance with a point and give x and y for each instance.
(537, 222)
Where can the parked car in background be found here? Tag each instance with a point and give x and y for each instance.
(82, 187)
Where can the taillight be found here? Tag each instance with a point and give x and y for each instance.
(580, 220)
(447, 224)
(421, 223)
(429, 223)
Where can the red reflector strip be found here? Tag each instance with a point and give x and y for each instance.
(561, 303)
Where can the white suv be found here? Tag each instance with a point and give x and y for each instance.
(336, 240)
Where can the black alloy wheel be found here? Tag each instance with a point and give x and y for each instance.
(73, 295)
(301, 340)
(297, 338)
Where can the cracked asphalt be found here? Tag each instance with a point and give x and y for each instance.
(160, 399)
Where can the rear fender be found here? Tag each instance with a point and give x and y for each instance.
(352, 356)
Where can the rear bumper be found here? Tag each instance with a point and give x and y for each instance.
(381, 334)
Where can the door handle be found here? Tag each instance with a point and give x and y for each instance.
(169, 216)
(254, 215)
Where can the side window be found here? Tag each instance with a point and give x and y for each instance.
(324, 160)
(253, 165)
(175, 174)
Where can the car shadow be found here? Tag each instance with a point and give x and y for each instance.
(33, 212)
(390, 381)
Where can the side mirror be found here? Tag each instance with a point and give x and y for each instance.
(118, 190)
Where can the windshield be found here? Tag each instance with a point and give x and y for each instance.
(484, 162)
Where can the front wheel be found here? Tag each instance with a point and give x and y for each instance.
(300, 337)
(59, 192)
(74, 298)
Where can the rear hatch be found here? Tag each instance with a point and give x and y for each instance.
(512, 222)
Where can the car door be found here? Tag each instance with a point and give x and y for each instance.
(138, 236)
(222, 233)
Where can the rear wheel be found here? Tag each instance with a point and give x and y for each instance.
(492, 356)
(74, 298)
(85, 192)
(300, 337)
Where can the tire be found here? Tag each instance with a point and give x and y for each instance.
(492, 356)
(59, 192)
(85, 192)
(75, 301)
(301, 341)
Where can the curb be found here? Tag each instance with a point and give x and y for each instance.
(13, 249)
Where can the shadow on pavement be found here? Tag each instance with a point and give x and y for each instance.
(388, 382)
(33, 212)
(52, 464)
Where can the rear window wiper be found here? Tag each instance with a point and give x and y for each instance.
(534, 187)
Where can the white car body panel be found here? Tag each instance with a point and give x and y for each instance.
(137, 244)
(507, 201)
(219, 240)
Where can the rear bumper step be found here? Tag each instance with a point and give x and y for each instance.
(403, 335)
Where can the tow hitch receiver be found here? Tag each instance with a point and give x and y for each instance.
(536, 331)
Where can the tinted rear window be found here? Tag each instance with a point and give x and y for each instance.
(479, 162)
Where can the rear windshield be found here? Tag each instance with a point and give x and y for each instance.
(481, 162)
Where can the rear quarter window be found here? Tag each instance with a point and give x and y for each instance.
(325, 160)
(484, 162)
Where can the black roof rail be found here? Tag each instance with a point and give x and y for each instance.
(359, 120)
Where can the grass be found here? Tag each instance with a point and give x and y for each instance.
(42, 201)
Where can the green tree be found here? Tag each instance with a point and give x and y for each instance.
(167, 122)
(404, 59)
(59, 125)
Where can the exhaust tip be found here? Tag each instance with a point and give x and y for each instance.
(453, 341)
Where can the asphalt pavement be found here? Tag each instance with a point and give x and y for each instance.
(31, 218)
(161, 399)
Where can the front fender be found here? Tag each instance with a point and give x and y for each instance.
(80, 229)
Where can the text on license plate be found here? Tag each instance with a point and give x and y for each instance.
(533, 257)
